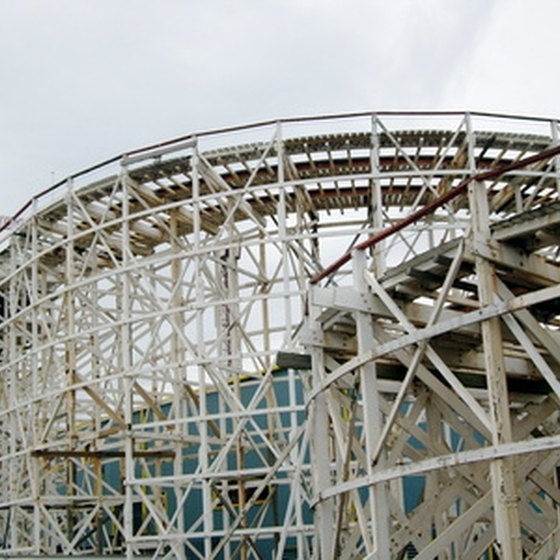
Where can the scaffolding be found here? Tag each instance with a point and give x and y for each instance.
(185, 374)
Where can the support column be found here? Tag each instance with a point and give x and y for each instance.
(12, 537)
(203, 451)
(376, 195)
(373, 422)
(177, 357)
(319, 423)
(504, 486)
(126, 373)
(35, 462)
(283, 235)
(70, 357)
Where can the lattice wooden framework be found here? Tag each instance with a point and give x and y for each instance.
(144, 303)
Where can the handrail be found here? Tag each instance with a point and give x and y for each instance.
(333, 116)
(429, 208)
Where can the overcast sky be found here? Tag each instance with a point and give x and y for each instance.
(82, 80)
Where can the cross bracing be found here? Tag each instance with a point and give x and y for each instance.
(146, 410)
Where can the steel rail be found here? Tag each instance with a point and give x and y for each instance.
(429, 208)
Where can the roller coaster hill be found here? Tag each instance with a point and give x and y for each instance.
(314, 338)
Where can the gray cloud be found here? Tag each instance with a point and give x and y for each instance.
(84, 80)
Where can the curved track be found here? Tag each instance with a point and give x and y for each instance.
(172, 385)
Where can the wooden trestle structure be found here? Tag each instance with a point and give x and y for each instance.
(183, 375)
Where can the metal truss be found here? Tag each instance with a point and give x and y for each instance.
(145, 408)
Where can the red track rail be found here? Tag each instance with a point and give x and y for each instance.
(429, 208)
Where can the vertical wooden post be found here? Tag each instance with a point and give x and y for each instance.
(373, 422)
(504, 485)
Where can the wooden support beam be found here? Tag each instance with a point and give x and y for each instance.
(100, 454)
(504, 484)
